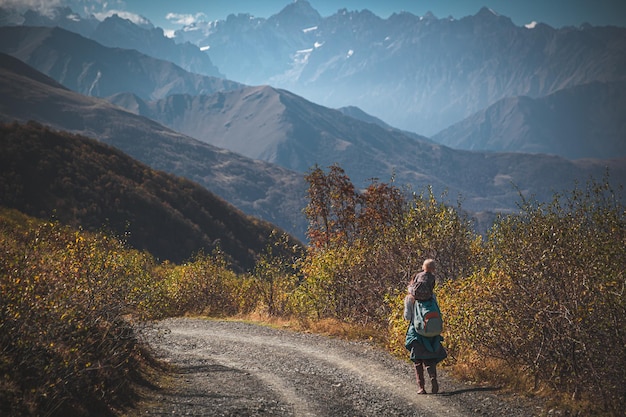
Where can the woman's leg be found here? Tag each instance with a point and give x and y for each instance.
(419, 376)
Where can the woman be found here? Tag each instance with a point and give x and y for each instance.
(426, 351)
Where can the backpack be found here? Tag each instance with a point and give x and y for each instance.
(427, 318)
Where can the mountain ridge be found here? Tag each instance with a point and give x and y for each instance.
(278, 126)
(418, 68)
(115, 31)
(417, 74)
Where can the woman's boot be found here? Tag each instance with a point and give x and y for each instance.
(432, 373)
(419, 376)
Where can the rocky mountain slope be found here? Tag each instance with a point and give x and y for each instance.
(115, 31)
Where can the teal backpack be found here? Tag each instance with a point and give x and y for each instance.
(427, 318)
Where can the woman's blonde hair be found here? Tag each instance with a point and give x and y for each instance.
(429, 265)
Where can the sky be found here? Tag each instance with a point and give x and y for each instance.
(171, 15)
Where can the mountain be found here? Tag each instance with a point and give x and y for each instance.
(577, 122)
(276, 126)
(88, 184)
(297, 133)
(280, 127)
(417, 73)
(253, 50)
(257, 188)
(85, 66)
(117, 32)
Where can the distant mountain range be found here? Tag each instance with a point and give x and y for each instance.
(89, 68)
(280, 127)
(572, 80)
(418, 73)
(115, 31)
(582, 121)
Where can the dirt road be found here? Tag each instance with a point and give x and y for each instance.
(226, 368)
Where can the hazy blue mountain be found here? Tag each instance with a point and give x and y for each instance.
(257, 188)
(118, 32)
(578, 122)
(417, 73)
(122, 33)
(359, 114)
(254, 50)
(90, 68)
(63, 17)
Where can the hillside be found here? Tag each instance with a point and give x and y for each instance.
(257, 188)
(87, 184)
(585, 121)
(297, 134)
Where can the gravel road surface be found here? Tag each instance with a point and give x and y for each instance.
(227, 368)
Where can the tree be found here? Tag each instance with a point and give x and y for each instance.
(332, 208)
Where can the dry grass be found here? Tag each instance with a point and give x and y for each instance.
(325, 327)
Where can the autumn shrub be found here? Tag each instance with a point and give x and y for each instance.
(550, 300)
(275, 276)
(395, 336)
(65, 346)
(70, 304)
(204, 285)
(327, 290)
(543, 295)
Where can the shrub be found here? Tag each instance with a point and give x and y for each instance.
(204, 285)
(65, 345)
(275, 276)
(550, 300)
